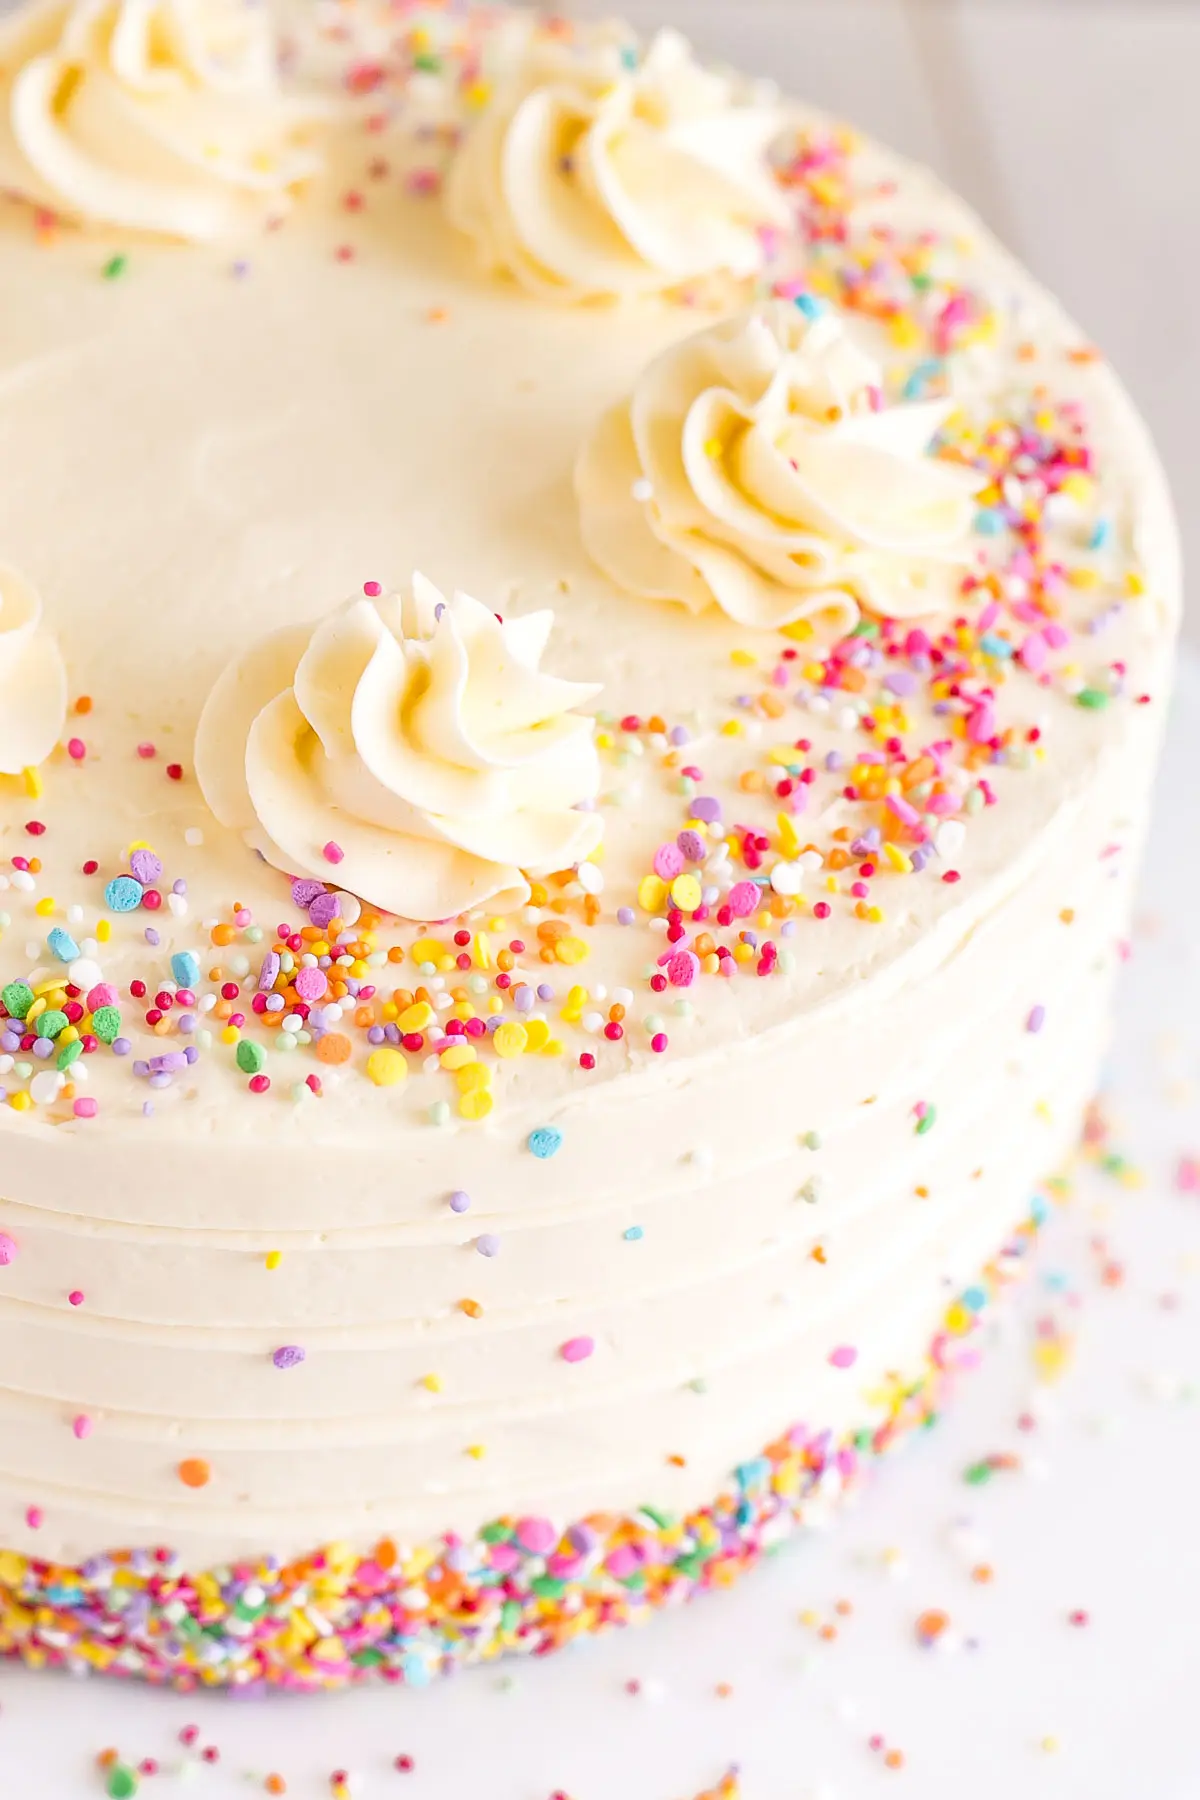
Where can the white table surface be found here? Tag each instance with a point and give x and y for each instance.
(1100, 1517)
(1024, 1705)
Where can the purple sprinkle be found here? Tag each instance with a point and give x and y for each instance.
(920, 856)
(10, 1042)
(160, 1079)
(269, 972)
(323, 909)
(288, 1356)
(43, 1047)
(179, 887)
(1036, 1019)
(625, 915)
(187, 1023)
(545, 991)
(140, 1067)
(152, 937)
(488, 1244)
(833, 760)
(392, 1034)
(692, 845)
(145, 867)
(679, 735)
(121, 1046)
(900, 681)
(523, 999)
(305, 892)
(459, 1202)
(191, 1055)
(706, 808)
(377, 1035)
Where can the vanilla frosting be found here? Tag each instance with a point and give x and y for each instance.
(33, 681)
(757, 465)
(881, 1098)
(411, 746)
(162, 116)
(593, 172)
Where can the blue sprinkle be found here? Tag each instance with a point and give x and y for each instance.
(810, 306)
(545, 1141)
(989, 522)
(992, 645)
(922, 375)
(62, 944)
(123, 894)
(975, 1299)
(633, 1234)
(1101, 534)
(185, 968)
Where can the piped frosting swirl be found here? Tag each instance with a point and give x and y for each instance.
(33, 681)
(593, 173)
(758, 466)
(163, 116)
(410, 749)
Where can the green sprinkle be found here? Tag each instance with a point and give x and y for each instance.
(927, 1121)
(811, 1140)
(251, 1057)
(17, 998)
(68, 1054)
(548, 1587)
(1094, 699)
(113, 269)
(439, 1113)
(106, 1023)
(122, 1782)
(977, 1473)
(50, 1023)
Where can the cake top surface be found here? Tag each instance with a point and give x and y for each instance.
(796, 781)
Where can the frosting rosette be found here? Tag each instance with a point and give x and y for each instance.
(596, 173)
(163, 116)
(758, 466)
(408, 748)
(33, 681)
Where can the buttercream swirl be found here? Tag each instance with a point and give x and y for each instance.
(592, 173)
(33, 681)
(163, 116)
(410, 749)
(757, 466)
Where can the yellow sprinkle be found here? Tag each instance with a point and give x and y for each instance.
(876, 915)
(732, 728)
(458, 1056)
(652, 891)
(385, 1066)
(511, 1040)
(898, 859)
(44, 907)
(790, 841)
(537, 1034)
(68, 1035)
(474, 1076)
(476, 1105)
(428, 949)
(743, 659)
(478, 94)
(743, 953)
(686, 892)
(1135, 581)
(1078, 486)
(713, 448)
(103, 930)
(478, 1451)
(552, 1047)
(416, 1017)
(481, 950)
(432, 1382)
(273, 1258)
(800, 630)
(230, 1035)
(39, 1006)
(905, 332)
(571, 950)
(20, 1103)
(33, 783)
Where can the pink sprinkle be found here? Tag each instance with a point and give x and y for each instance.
(8, 1250)
(743, 899)
(1187, 1175)
(844, 1357)
(536, 1535)
(76, 1297)
(81, 1425)
(311, 984)
(372, 589)
(146, 752)
(577, 1349)
(76, 749)
(1033, 652)
(668, 862)
(333, 853)
(86, 1108)
(658, 1042)
(34, 1517)
(682, 968)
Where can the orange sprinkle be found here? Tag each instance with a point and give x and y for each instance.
(395, 954)
(275, 1784)
(194, 1472)
(84, 703)
(223, 935)
(106, 1758)
(472, 1308)
(894, 1759)
(334, 1047)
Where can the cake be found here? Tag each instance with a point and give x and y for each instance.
(582, 656)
